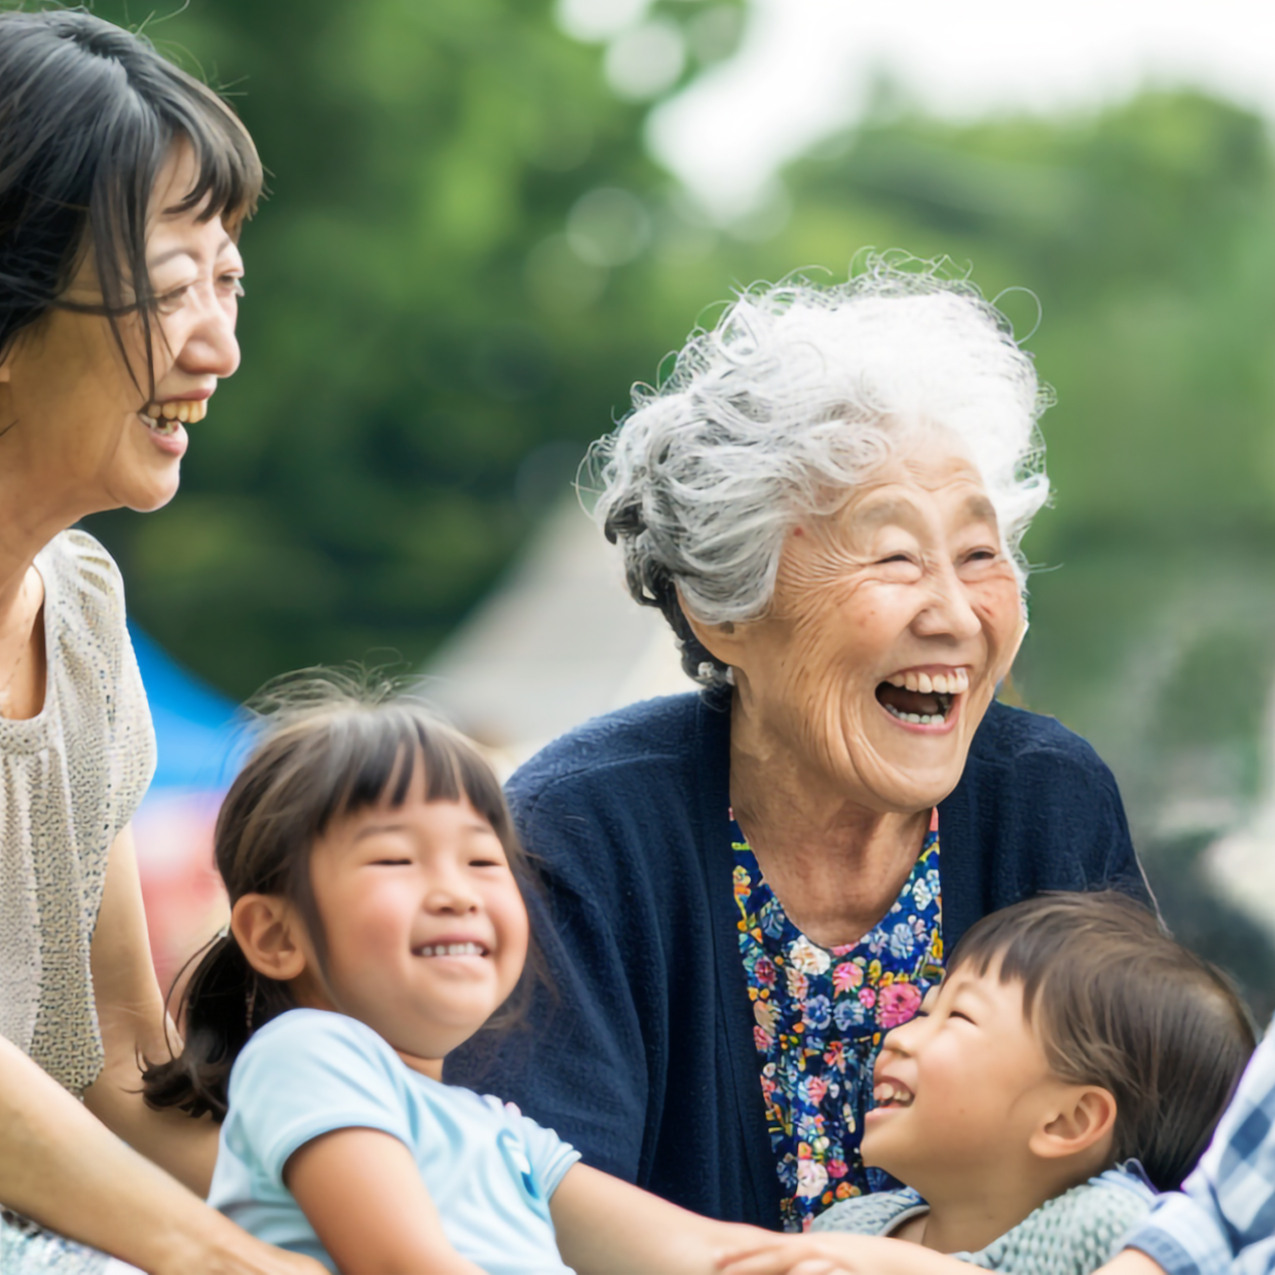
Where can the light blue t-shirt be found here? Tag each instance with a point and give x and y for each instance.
(489, 1170)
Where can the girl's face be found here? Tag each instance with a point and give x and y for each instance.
(71, 415)
(425, 928)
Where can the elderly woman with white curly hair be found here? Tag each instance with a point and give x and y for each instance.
(745, 887)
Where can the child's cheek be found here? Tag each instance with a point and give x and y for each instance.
(378, 920)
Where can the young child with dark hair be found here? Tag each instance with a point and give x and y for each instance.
(377, 922)
(1073, 1062)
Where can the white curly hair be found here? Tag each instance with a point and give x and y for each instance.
(797, 394)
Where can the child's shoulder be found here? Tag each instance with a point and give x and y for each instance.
(300, 1041)
(1080, 1230)
(299, 1028)
(876, 1214)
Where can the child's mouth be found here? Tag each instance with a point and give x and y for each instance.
(889, 1093)
(450, 949)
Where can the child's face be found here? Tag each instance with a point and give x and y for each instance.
(426, 929)
(963, 1086)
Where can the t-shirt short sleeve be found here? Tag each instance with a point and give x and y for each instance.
(305, 1074)
(549, 1156)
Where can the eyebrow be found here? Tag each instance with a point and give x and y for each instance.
(372, 829)
(875, 513)
(227, 242)
(980, 507)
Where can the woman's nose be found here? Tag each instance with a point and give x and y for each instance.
(211, 347)
(949, 613)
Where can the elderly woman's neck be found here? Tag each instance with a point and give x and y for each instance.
(835, 864)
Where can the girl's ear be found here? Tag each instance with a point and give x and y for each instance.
(1084, 1119)
(268, 933)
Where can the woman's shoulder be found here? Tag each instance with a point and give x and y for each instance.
(644, 743)
(1008, 735)
(82, 567)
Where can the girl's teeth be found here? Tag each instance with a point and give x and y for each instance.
(452, 949)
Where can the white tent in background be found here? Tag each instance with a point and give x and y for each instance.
(557, 641)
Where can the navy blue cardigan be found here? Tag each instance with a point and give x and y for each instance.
(641, 1052)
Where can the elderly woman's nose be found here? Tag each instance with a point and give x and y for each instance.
(949, 612)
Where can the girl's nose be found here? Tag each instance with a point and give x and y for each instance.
(451, 898)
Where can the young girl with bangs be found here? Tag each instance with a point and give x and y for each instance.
(377, 922)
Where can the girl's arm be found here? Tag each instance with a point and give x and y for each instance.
(60, 1167)
(130, 1011)
(607, 1226)
(362, 1192)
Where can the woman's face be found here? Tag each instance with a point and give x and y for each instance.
(72, 418)
(893, 621)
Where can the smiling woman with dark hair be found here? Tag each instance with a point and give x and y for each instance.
(123, 186)
(826, 500)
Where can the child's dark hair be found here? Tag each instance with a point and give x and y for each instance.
(330, 748)
(1118, 1003)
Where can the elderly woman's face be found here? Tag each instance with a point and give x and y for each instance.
(893, 621)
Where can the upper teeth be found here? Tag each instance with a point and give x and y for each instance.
(886, 1093)
(186, 410)
(956, 682)
(451, 949)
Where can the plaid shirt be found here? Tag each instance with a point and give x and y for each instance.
(1223, 1222)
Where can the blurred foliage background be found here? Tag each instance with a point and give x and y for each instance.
(468, 255)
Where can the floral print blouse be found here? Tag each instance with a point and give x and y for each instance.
(820, 1014)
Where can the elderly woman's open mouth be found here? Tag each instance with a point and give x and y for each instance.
(922, 697)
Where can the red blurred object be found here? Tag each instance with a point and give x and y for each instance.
(184, 898)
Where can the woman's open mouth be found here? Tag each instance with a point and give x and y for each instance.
(165, 419)
(922, 699)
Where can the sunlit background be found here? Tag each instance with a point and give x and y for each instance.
(488, 217)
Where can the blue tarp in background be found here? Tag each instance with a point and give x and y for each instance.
(200, 733)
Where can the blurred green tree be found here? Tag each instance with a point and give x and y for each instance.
(454, 278)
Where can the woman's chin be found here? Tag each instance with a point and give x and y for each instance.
(145, 494)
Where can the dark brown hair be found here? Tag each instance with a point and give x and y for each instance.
(331, 747)
(1118, 1003)
(89, 116)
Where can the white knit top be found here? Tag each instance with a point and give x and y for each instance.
(70, 780)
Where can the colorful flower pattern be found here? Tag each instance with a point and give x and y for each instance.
(819, 1016)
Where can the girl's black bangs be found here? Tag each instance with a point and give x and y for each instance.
(374, 759)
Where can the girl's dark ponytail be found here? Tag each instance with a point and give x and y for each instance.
(224, 1002)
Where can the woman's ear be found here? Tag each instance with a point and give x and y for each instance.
(720, 640)
(1082, 1120)
(268, 933)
